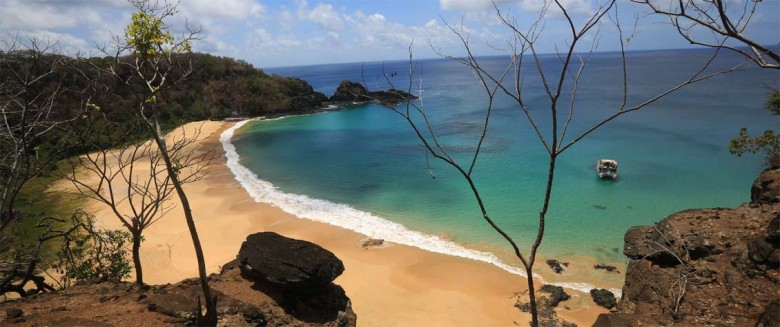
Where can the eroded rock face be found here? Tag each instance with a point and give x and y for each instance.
(705, 266)
(766, 188)
(287, 263)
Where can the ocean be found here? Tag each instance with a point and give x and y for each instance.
(362, 167)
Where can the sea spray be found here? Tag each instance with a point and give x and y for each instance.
(362, 222)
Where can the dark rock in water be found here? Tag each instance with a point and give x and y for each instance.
(766, 188)
(771, 315)
(557, 294)
(603, 298)
(556, 265)
(14, 312)
(350, 92)
(287, 263)
(606, 267)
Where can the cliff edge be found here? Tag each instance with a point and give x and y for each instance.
(706, 266)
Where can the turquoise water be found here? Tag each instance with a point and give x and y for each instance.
(673, 155)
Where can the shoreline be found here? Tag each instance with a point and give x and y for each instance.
(393, 285)
(370, 225)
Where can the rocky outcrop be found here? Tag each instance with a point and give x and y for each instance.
(766, 188)
(240, 301)
(351, 92)
(287, 263)
(297, 274)
(557, 294)
(603, 298)
(705, 266)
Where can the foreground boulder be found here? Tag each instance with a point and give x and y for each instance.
(287, 263)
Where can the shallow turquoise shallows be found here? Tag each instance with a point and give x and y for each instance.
(673, 155)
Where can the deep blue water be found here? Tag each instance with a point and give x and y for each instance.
(673, 154)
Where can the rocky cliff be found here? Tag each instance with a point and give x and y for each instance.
(706, 266)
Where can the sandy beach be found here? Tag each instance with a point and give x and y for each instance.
(394, 285)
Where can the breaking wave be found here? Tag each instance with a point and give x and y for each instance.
(362, 222)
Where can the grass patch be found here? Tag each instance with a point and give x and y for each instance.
(36, 201)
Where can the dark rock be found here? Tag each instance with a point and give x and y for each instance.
(557, 294)
(606, 267)
(766, 188)
(287, 263)
(773, 231)
(14, 312)
(372, 243)
(761, 251)
(350, 92)
(252, 312)
(771, 315)
(17, 320)
(172, 304)
(556, 265)
(603, 298)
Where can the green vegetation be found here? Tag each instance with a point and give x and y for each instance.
(767, 143)
(91, 254)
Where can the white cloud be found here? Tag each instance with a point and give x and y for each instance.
(286, 19)
(59, 42)
(376, 31)
(262, 39)
(468, 5)
(481, 7)
(22, 15)
(222, 9)
(323, 14)
(571, 6)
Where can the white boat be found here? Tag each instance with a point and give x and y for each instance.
(607, 168)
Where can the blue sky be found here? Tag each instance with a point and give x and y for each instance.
(271, 33)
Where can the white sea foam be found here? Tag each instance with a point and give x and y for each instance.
(346, 217)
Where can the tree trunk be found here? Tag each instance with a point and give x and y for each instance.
(532, 296)
(210, 318)
(139, 274)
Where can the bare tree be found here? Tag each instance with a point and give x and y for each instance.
(31, 86)
(134, 174)
(715, 23)
(150, 56)
(560, 85)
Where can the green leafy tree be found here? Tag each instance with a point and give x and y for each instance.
(157, 61)
(89, 253)
(767, 143)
